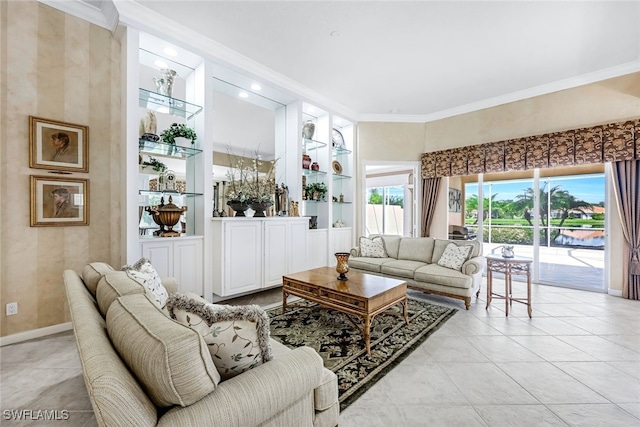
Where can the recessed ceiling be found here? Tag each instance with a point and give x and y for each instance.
(420, 60)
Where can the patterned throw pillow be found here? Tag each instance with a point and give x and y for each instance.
(454, 256)
(144, 273)
(373, 248)
(237, 336)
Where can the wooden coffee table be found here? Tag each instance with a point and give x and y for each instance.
(363, 295)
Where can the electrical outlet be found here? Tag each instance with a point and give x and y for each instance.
(12, 308)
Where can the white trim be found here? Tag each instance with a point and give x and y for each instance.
(106, 16)
(35, 333)
(615, 292)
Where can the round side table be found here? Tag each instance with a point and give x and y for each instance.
(515, 266)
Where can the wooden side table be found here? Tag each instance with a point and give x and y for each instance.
(510, 267)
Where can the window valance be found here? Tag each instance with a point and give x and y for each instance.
(604, 143)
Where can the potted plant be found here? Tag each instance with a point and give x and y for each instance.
(316, 190)
(178, 131)
(155, 164)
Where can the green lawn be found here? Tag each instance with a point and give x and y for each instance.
(594, 223)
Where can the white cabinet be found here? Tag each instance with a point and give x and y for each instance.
(342, 242)
(318, 241)
(180, 258)
(250, 254)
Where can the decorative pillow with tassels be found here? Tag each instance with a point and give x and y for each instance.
(144, 273)
(237, 336)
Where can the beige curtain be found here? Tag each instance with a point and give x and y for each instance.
(430, 187)
(626, 180)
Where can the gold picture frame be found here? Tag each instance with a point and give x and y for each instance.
(59, 201)
(56, 145)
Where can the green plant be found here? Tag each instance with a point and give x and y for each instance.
(176, 131)
(317, 187)
(155, 164)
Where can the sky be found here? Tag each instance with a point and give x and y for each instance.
(589, 188)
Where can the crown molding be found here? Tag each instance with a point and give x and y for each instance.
(105, 16)
(596, 76)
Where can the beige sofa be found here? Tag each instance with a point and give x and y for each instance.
(167, 363)
(415, 260)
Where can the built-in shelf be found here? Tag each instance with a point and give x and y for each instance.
(338, 176)
(166, 104)
(314, 201)
(342, 203)
(312, 144)
(166, 150)
(166, 192)
(337, 151)
(311, 172)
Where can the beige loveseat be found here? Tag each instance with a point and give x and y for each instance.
(415, 260)
(165, 377)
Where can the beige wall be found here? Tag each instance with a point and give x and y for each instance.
(61, 68)
(607, 101)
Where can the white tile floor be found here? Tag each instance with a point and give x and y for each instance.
(575, 363)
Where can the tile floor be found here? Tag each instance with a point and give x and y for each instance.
(576, 363)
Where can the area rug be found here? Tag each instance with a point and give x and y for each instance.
(341, 344)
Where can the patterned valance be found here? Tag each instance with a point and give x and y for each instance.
(606, 143)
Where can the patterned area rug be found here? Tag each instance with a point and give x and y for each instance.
(341, 344)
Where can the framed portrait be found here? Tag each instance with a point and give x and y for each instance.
(59, 201)
(58, 145)
(455, 204)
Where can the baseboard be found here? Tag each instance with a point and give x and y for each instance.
(615, 292)
(35, 333)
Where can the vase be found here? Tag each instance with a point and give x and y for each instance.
(238, 207)
(164, 84)
(342, 268)
(308, 129)
(306, 161)
(259, 208)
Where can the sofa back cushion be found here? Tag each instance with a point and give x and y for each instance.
(441, 245)
(114, 285)
(117, 398)
(170, 360)
(416, 249)
(93, 272)
(391, 244)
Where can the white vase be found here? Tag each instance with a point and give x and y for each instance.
(183, 142)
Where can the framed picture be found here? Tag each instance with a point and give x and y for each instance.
(455, 204)
(59, 201)
(58, 145)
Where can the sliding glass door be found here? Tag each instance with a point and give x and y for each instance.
(558, 221)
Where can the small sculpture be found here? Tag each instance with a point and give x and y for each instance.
(164, 84)
(507, 251)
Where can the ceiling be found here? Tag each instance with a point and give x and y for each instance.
(408, 61)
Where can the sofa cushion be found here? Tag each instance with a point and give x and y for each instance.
(171, 361)
(372, 247)
(368, 264)
(401, 268)
(114, 285)
(92, 273)
(391, 244)
(416, 249)
(454, 256)
(144, 273)
(237, 336)
(433, 273)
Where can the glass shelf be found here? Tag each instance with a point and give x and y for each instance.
(338, 176)
(311, 144)
(167, 104)
(167, 192)
(342, 203)
(315, 201)
(310, 172)
(340, 151)
(166, 150)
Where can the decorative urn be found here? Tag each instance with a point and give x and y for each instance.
(168, 215)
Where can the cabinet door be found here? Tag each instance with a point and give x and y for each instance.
(276, 251)
(160, 253)
(341, 242)
(317, 248)
(187, 265)
(298, 246)
(242, 257)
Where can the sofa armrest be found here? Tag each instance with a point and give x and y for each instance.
(170, 284)
(251, 398)
(355, 251)
(473, 266)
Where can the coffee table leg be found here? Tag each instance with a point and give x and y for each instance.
(367, 335)
(405, 311)
(284, 300)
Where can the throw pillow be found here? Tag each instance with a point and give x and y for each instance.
(237, 336)
(144, 273)
(373, 248)
(454, 256)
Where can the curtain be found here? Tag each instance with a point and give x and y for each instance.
(626, 181)
(430, 187)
